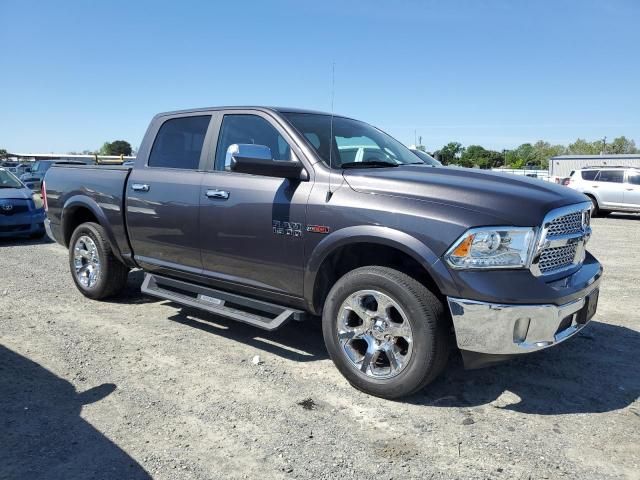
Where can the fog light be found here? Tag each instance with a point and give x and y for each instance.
(520, 330)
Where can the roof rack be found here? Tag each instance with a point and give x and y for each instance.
(608, 166)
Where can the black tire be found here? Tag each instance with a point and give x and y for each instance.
(112, 276)
(426, 316)
(595, 209)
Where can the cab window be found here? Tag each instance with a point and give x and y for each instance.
(178, 143)
(249, 129)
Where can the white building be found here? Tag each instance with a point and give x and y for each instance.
(561, 166)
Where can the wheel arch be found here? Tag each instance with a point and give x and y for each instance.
(80, 209)
(353, 247)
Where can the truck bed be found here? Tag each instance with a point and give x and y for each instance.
(100, 188)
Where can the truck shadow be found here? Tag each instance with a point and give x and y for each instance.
(42, 434)
(296, 341)
(131, 295)
(595, 372)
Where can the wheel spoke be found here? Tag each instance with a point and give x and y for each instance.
(400, 330)
(394, 361)
(354, 304)
(366, 361)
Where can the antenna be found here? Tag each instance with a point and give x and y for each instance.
(333, 84)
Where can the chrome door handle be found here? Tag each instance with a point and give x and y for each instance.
(595, 186)
(217, 194)
(140, 187)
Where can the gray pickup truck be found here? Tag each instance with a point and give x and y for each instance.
(270, 215)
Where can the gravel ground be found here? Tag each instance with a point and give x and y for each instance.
(139, 388)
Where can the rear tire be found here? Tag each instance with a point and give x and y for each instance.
(595, 209)
(96, 271)
(401, 328)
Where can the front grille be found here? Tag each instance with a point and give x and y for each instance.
(565, 225)
(557, 257)
(563, 238)
(13, 207)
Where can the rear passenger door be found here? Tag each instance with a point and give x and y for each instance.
(252, 225)
(632, 190)
(163, 196)
(609, 187)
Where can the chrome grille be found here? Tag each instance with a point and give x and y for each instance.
(557, 257)
(565, 225)
(561, 246)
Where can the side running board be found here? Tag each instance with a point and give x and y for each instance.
(265, 315)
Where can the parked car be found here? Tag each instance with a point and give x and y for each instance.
(21, 211)
(610, 189)
(255, 214)
(426, 158)
(33, 177)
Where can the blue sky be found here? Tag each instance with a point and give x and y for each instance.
(498, 73)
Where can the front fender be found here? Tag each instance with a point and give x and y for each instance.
(379, 235)
(80, 201)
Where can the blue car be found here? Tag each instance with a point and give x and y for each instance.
(21, 210)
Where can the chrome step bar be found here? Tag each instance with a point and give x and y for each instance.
(268, 316)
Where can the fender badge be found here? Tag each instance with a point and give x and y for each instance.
(318, 229)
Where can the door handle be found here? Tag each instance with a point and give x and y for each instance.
(140, 187)
(629, 189)
(595, 186)
(221, 194)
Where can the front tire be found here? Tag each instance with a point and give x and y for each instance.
(385, 331)
(96, 271)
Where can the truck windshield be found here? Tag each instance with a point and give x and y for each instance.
(354, 144)
(7, 180)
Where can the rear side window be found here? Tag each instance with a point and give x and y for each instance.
(179, 143)
(589, 174)
(611, 176)
(634, 178)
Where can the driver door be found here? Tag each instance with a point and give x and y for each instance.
(251, 225)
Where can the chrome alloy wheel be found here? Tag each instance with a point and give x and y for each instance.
(86, 261)
(375, 334)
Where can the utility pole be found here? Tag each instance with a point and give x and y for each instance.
(604, 145)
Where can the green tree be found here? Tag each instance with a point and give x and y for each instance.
(476, 155)
(3, 154)
(117, 147)
(621, 145)
(582, 147)
(450, 153)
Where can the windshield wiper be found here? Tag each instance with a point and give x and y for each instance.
(368, 164)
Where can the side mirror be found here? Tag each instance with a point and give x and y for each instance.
(258, 160)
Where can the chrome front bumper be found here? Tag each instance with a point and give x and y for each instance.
(513, 329)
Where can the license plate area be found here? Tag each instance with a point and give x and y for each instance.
(590, 306)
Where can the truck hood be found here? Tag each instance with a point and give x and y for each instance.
(15, 193)
(516, 200)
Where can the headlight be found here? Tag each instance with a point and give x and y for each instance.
(492, 247)
(37, 201)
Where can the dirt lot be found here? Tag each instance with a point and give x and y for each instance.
(139, 388)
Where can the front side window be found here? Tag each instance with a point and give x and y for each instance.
(354, 144)
(178, 143)
(249, 129)
(611, 176)
(588, 174)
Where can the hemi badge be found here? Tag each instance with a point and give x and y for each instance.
(317, 229)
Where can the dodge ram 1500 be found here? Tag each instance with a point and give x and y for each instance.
(267, 215)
